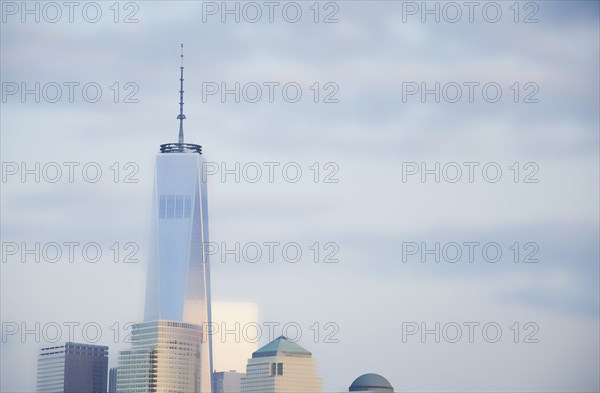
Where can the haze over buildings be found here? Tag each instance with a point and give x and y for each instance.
(237, 331)
(369, 53)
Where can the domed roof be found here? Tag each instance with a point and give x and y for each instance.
(371, 382)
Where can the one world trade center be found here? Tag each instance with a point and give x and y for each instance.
(170, 351)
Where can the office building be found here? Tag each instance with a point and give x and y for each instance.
(73, 368)
(282, 366)
(165, 356)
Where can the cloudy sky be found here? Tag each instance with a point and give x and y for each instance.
(388, 94)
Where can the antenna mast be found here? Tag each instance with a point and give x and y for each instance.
(181, 116)
(180, 147)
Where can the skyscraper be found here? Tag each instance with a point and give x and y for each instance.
(73, 368)
(178, 282)
(282, 366)
(164, 357)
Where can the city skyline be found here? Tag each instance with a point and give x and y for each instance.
(369, 239)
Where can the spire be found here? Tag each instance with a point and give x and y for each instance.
(181, 116)
(180, 147)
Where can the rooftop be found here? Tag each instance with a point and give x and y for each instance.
(281, 346)
(371, 383)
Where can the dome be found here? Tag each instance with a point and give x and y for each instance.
(371, 383)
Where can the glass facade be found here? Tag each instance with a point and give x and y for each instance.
(73, 368)
(178, 286)
(168, 353)
(165, 356)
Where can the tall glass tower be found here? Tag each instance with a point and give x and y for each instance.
(178, 284)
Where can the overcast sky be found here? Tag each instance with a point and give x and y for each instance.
(368, 207)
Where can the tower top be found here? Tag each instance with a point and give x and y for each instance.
(180, 146)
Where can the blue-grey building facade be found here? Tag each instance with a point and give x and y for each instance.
(73, 368)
